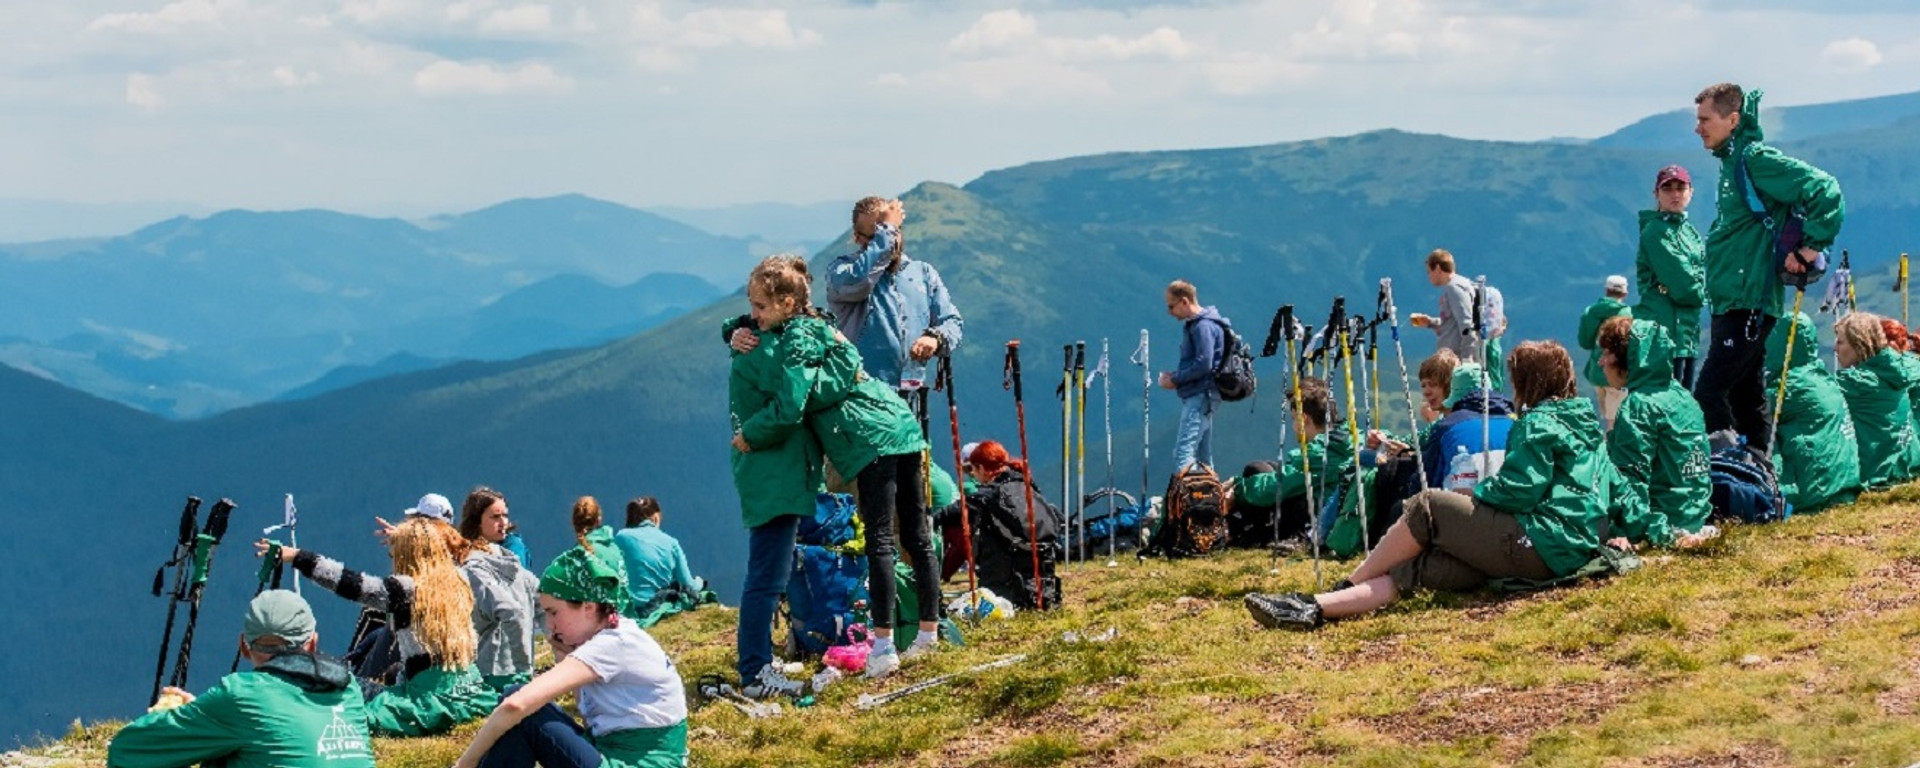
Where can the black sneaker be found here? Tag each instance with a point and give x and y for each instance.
(1284, 610)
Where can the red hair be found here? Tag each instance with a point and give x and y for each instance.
(991, 456)
(1896, 334)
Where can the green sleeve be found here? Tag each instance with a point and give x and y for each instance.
(1525, 478)
(1800, 185)
(1260, 490)
(1589, 336)
(787, 386)
(729, 325)
(1628, 509)
(200, 732)
(682, 574)
(1630, 444)
(944, 491)
(1684, 279)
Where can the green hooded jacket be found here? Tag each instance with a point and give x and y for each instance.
(1659, 438)
(1599, 312)
(1740, 269)
(1266, 489)
(1671, 268)
(855, 417)
(1877, 397)
(765, 402)
(297, 710)
(1817, 456)
(1912, 363)
(1557, 481)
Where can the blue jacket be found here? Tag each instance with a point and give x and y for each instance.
(1461, 428)
(1200, 349)
(654, 561)
(883, 312)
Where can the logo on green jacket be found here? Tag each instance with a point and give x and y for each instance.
(342, 740)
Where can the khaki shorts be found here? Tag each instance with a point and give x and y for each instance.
(1463, 544)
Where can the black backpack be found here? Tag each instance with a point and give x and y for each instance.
(1744, 487)
(1196, 515)
(1233, 374)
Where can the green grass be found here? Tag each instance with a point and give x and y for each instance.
(1796, 644)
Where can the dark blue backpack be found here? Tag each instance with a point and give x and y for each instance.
(1123, 522)
(1744, 487)
(828, 586)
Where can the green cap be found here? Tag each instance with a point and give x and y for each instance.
(579, 576)
(278, 613)
(1466, 381)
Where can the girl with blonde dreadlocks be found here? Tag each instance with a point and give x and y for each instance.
(432, 610)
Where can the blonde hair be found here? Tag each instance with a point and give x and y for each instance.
(586, 517)
(1863, 332)
(1182, 290)
(782, 277)
(1440, 259)
(442, 599)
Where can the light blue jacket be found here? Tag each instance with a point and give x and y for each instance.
(654, 561)
(883, 312)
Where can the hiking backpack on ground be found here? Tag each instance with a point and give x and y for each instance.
(1744, 487)
(1196, 515)
(1003, 552)
(829, 577)
(1124, 521)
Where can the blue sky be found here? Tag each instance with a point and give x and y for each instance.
(378, 105)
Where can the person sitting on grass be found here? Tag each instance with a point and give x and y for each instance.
(1537, 518)
(297, 708)
(1659, 437)
(1286, 486)
(1876, 385)
(503, 591)
(1817, 456)
(629, 694)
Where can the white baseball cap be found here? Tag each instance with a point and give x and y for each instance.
(1617, 283)
(435, 506)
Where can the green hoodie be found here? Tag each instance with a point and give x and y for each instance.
(856, 417)
(1671, 267)
(1876, 390)
(1912, 363)
(1266, 489)
(1599, 312)
(1817, 456)
(1659, 438)
(764, 401)
(297, 710)
(1741, 273)
(1556, 480)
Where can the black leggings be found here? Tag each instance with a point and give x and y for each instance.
(890, 488)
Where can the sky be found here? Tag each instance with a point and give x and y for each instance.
(383, 105)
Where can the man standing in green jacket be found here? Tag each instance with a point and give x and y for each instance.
(1743, 284)
(1611, 305)
(1671, 266)
(295, 709)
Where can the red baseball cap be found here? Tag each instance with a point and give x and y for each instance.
(1670, 173)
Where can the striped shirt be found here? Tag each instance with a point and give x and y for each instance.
(392, 594)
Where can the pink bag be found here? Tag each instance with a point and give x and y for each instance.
(852, 657)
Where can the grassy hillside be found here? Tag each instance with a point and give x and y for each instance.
(1796, 644)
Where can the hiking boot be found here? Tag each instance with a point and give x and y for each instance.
(923, 644)
(1284, 610)
(771, 682)
(882, 660)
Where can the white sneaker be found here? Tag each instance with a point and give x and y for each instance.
(923, 644)
(771, 682)
(883, 660)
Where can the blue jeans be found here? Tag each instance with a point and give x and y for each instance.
(1195, 440)
(548, 737)
(769, 567)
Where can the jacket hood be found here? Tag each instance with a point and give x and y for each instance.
(496, 562)
(1749, 131)
(1806, 344)
(1888, 367)
(1466, 380)
(1470, 404)
(1649, 357)
(1208, 312)
(311, 672)
(1653, 215)
(1573, 416)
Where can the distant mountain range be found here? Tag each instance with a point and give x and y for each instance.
(1047, 253)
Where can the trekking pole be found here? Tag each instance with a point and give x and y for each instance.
(1406, 382)
(1010, 379)
(1780, 394)
(203, 547)
(1353, 426)
(1139, 358)
(1065, 393)
(1373, 361)
(290, 522)
(1286, 328)
(1902, 287)
(1106, 413)
(180, 561)
(270, 570)
(1080, 420)
(943, 378)
(1486, 375)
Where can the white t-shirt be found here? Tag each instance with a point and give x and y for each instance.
(638, 686)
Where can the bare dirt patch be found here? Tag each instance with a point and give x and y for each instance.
(1510, 716)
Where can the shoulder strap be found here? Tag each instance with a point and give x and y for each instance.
(1226, 342)
(1755, 205)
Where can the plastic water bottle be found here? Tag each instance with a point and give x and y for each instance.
(1463, 472)
(827, 677)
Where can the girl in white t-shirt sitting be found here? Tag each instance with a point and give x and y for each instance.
(630, 695)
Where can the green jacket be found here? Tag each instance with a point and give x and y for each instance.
(295, 711)
(1671, 270)
(1607, 308)
(1659, 437)
(1269, 488)
(1817, 456)
(1877, 397)
(1741, 273)
(764, 400)
(1912, 363)
(1557, 481)
(856, 417)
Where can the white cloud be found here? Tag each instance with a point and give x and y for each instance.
(452, 78)
(1025, 80)
(373, 11)
(659, 59)
(1162, 42)
(891, 78)
(720, 27)
(520, 19)
(140, 92)
(1239, 74)
(996, 31)
(170, 17)
(289, 77)
(1850, 56)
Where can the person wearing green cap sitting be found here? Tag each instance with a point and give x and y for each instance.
(629, 694)
(296, 708)
(1817, 456)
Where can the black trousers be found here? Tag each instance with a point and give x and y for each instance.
(890, 492)
(1732, 388)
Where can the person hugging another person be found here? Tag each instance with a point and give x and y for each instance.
(630, 696)
(431, 607)
(1818, 460)
(1659, 439)
(1537, 518)
(1876, 384)
(503, 591)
